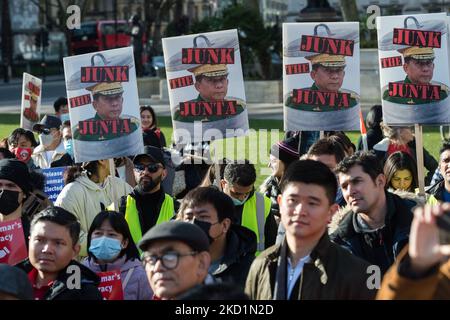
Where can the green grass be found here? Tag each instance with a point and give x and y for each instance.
(255, 147)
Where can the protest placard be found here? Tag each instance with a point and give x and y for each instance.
(206, 86)
(321, 76)
(12, 242)
(103, 104)
(110, 285)
(54, 182)
(31, 101)
(414, 90)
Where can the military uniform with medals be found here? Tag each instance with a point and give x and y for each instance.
(105, 89)
(418, 54)
(210, 71)
(328, 61)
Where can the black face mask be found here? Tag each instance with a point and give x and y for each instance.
(205, 226)
(9, 201)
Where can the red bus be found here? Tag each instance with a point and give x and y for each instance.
(99, 35)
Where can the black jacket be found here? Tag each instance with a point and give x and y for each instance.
(382, 246)
(239, 255)
(374, 135)
(437, 190)
(65, 161)
(60, 291)
(271, 190)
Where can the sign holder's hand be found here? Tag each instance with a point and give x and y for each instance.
(425, 249)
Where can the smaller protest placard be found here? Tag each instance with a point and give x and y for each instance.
(54, 182)
(110, 285)
(31, 101)
(13, 248)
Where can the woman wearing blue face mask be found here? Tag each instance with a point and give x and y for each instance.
(111, 248)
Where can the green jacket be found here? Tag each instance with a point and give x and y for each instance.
(99, 134)
(240, 107)
(332, 273)
(443, 94)
(321, 108)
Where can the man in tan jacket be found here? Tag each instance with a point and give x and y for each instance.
(422, 270)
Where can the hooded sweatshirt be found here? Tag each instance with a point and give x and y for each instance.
(85, 199)
(137, 287)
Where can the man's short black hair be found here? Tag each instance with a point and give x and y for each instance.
(61, 217)
(367, 160)
(13, 138)
(445, 147)
(327, 146)
(59, 103)
(240, 172)
(311, 172)
(204, 195)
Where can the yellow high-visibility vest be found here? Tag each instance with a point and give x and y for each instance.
(254, 215)
(166, 212)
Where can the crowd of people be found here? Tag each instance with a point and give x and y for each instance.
(326, 214)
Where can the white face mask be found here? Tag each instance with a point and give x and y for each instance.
(121, 171)
(45, 139)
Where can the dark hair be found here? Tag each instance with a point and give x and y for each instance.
(374, 116)
(150, 109)
(59, 103)
(210, 175)
(445, 147)
(400, 161)
(6, 153)
(74, 172)
(367, 160)
(327, 146)
(120, 225)
(215, 291)
(17, 133)
(204, 195)
(311, 172)
(37, 180)
(243, 174)
(345, 141)
(61, 217)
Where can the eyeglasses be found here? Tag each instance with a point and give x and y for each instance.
(169, 260)
(152, 167)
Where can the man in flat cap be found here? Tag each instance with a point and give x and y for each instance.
(14, 284)
(211, 82)
(107, 100)
(176, 258)
(327, 72)
(419, 67)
